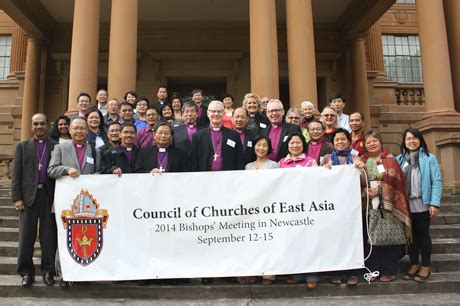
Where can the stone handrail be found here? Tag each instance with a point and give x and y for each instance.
(410, 94)
(5, 166)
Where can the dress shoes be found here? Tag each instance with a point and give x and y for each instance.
(63, 284)
(27, 280)
(48, 279)
(312, 285)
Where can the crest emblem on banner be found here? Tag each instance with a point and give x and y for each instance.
(85, 223)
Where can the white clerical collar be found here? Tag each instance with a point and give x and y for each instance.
(162, 150)
(275, 126)
(40, 141)
(129, 149)
(191, 126)
(216, 129)
(313, 142)
(79, 146)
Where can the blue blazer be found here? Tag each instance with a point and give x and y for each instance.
(430, 177)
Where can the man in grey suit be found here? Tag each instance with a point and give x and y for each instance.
(73, 158)
(32, 193)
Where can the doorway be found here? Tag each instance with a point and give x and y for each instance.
(214, 88)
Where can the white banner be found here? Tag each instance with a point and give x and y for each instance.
(209, 224)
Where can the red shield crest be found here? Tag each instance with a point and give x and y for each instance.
(84, 223)
(84, 239)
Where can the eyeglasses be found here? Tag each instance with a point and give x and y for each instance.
(37, 123)
(294, 118)
(215, 111)
(79, 129)
(329, 115)
(84, 101)
(278, 110)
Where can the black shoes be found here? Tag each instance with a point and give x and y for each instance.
(27, 280)
(48, 279)
(63, 284)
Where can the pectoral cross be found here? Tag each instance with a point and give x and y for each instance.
(40, 166)
(216, 156)
(161, 169)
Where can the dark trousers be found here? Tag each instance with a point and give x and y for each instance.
(421, 239)
(384, 259)
(28, 221)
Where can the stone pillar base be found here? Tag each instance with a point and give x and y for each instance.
(442, 135)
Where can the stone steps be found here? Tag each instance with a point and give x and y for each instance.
(439, 263)
(448, 282)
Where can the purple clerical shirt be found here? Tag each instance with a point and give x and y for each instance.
(42, 156)
(162, 159)
(274, 135)
(314, 147)
(216, 138)
(129, 154)
(241, 136)
(191, 129)
(80, 150)
(200, 111)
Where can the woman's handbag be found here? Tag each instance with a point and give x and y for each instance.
(385, 228)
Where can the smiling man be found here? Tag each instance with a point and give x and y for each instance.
(32, 193)
(216, 148)
(121, 159)
(278, 131)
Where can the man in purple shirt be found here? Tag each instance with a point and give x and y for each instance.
(183, 133)
(278, 131)
(32, 194)
(216, 148)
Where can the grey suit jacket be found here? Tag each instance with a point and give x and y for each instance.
(25, 171)
(65, 157)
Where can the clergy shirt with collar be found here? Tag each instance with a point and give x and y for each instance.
(216, 138)
(42, 156)
(80, 150)
(274, 135)
(162, 159)
(129, 155)
(191, 129)
(314, 147)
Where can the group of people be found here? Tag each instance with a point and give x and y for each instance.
(400, 194)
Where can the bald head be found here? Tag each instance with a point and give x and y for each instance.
(39, 125)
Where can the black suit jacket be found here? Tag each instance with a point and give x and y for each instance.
(248, 147)
(147, 160)
(159, 106)
(261, 123)
(25, 172)
(287, 129)
(114, 158)
(203, 120)
(203, 151)
(181, 140)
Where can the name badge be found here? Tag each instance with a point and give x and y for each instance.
(231, 143)
(405, 164)
(354, 152)
(381, 168)
(285, 138)
(90, 160)
(262, 125)
(249, 145)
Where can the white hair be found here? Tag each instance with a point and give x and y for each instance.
(272, 101)
(306, 104)
(220, 103)
(337, 123)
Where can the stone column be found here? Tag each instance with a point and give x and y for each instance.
(437, 78)
(264, 48)
(452, 12)
(18, 51)
(123, 48)
(301, 52)
(441, 123)
(31, 85)
(85, 50)
(360, 101)
(375, 50)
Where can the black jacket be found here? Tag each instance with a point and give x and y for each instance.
(181, 140)
(203, 151)
(203, 120)
(287, 129)
(114, 157)
(147, 160)
(24, 179)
